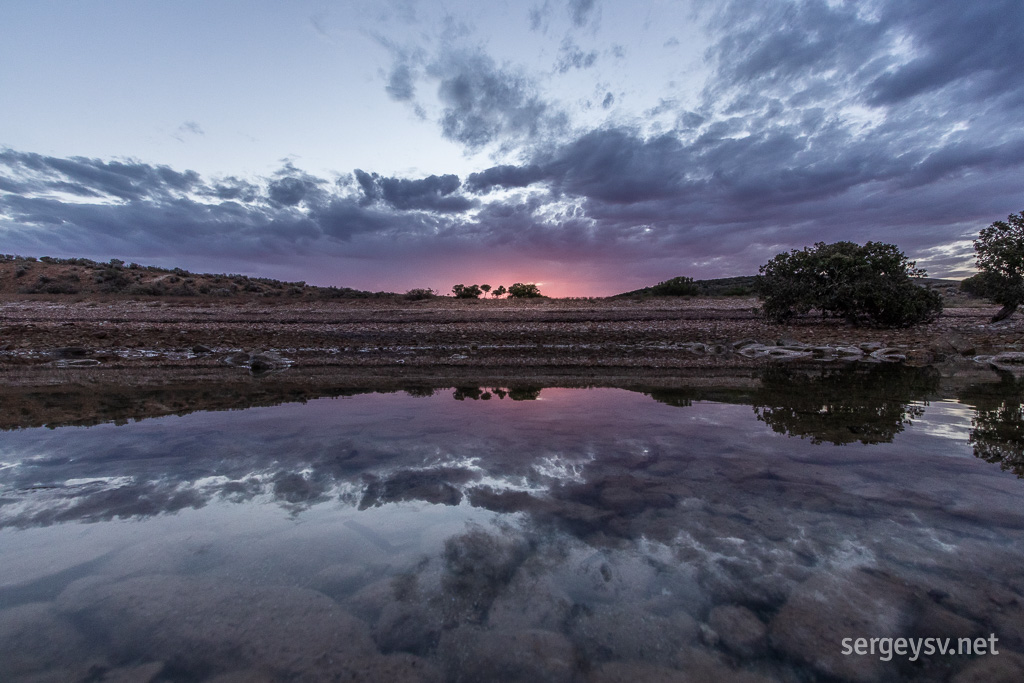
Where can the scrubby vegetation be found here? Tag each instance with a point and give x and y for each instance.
(51, 275)
(680, 286)
(677, 286)
(420, 294)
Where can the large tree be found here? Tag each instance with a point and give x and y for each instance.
(1000, 256)
(873, 283)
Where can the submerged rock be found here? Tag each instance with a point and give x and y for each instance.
(208, 624)
(1009, 361)
(35, 639)
(618, 632)
(826, 608)
(259, 362)
(739, 630)
(532, 656)
(140, 673)
(695, 666)
(407, 627)
(889, 355)
(1006, 667)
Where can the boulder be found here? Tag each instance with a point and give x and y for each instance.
(407, 627)
(1010, 361)
(696, 666)
(625, 632)
(1006, 667)
(827, 608)
(35, 638)
(889, 354)
(205, 624)
(471, 653)
(259, 362)
(739, 630)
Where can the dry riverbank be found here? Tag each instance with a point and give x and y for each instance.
(446, 333)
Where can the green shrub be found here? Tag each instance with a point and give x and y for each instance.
(871, 284)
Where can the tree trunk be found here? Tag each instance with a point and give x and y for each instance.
(1004, 313)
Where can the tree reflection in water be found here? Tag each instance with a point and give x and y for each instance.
(844, 404)
(998, 426)
(482, 394)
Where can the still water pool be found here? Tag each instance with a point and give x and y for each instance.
(525, 534)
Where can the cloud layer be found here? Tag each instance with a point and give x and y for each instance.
(895, 121)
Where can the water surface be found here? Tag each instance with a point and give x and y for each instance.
(523, 533)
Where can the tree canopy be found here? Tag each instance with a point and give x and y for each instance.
(524, 291)
(466, 291)
(872, 284)
(999, 250)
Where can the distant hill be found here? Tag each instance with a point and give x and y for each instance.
(723, 286)
(85, 277)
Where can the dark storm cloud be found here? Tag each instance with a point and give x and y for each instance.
(781, 41)
(286, 213)
(290, 185)
(484, 103)
(886, 53)
(287, 191)
(433, 193)
(505, 176)
(232, 188)
(126, 180)
(344, 218)
(977, 44)
(617, 166)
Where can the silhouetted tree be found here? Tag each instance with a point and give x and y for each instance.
(466, 291)
(500, 291)
(486, 289)
(524, 291)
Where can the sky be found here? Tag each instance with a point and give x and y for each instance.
(590, 146)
